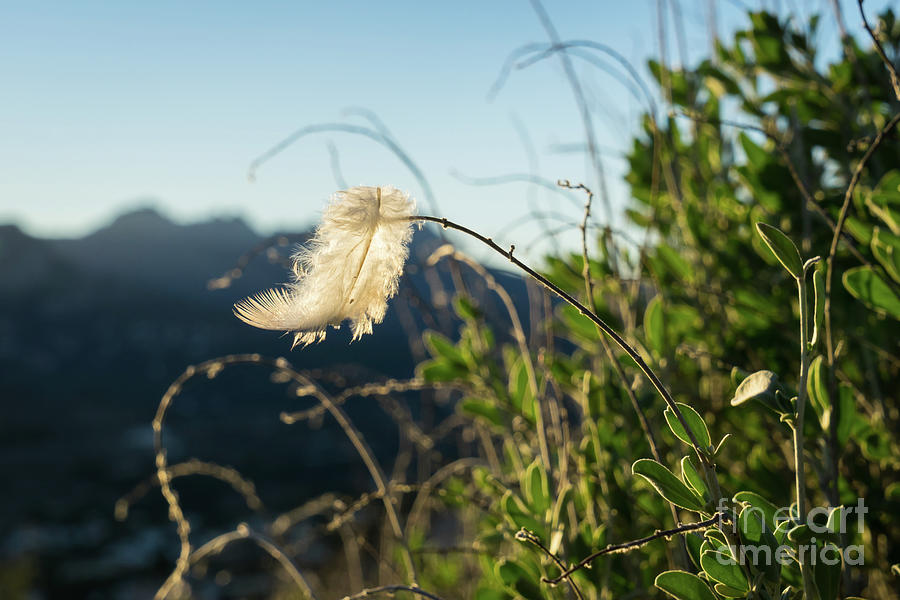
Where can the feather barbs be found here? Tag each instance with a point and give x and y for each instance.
(347, 271)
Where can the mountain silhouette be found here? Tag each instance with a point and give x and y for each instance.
(94, 329)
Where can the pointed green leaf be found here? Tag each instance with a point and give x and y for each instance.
(683, 586)
(754, 499)
(669, 487)
(441, 346)
(654, 327)
(694, 421)
(782, 247)
(692, 477)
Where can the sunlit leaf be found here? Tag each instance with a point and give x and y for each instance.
(683, 586)
(868, 287)
(782, 247)
(669, 487)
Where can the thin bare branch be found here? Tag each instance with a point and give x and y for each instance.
(716, 520)
(895, 81)
(391, 589)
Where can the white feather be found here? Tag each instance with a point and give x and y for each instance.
(347, 271)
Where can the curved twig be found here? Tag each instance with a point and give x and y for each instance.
(839, 226)
(194, 466)
(618, 339)
(243, 532)
(372, 134)
(718, 519)
(211, 368)
(895, 81)
(390, 589)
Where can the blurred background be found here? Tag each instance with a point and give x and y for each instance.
(128, 136)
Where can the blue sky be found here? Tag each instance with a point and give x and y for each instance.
(106, 106)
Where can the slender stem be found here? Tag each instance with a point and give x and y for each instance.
(801, 400)
(809, 585)
(589, 295)
(618, 339)
(839, 227)
(613, 359)
(895, 80)
(217, 544)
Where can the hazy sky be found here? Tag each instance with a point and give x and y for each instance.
(105, 106)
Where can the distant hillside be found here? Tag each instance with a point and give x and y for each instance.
(93, 330)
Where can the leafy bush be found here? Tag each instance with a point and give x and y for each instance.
(767, 299)
(714, 302)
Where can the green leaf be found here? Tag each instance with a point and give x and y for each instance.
(849, 422)
(440, 369)
(693, 478)
(654, 326)
(800, 533)
(694, 421)
(521, 393)
(817, 388)
(724, 569)
(887, 192)
(783, 248)
(536, 488)
(694, 541)
(517, 512)
(683, 586)
(481, 408)
(886, 248)
(669, 487)
(441, 346)
(828, 577)
(728, 592)
(819, 312)
(759, 543)
(754, 499)
(518, 579)
(757, 156)
(762, 386)
(466, 309)
(490, 594)
(675, 263)
(868, 287)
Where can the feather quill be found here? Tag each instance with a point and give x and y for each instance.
(346, 272)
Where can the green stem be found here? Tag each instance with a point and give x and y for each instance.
(809, 587)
